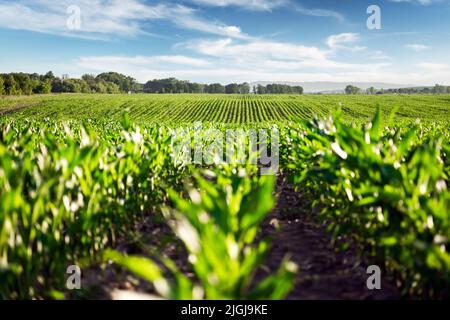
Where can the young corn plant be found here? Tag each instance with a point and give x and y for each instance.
(66, 194)
(385, 188)
(218, 226)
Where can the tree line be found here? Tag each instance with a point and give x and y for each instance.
(437, 89)
(27, 84)
(113, 82)
(277, 89)
(172, 85)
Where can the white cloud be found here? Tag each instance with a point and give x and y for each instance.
(431, 66)
(421, 2)
(104, 62)
(341, 41)
(254, 49)
(317, 12)
(227, 60)
(231, 60)
(244, 64)
(269, 5)
(104, 18)
(257, 5)
(417, 47)
(336, 40)
(378, 55)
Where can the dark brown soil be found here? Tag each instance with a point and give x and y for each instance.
(17, 108)
(324, 272)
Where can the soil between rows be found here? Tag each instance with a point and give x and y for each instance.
(324, 272)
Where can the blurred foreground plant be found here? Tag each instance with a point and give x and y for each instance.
(67, 194)
(218, 227)
(386, 188)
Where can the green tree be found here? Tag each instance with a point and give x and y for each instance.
(112, 88)
(371, 90)
(43, 87)
(23, 83)
(244, 88)
(352, 90)
(11, 86)
(261, 89)
(125, 83)
(2, 87)
(49, 76)
(232, 88)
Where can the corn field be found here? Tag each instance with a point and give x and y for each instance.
(78, 173)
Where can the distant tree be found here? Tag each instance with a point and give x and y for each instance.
(244, 88)
(138, 87)
(261, 89)
(352, 90)
(2, 87)
(125, 83)
(279, 89)
(43, 87)
(11, 86)
(215, 88)
(84, 87)
(196, 88)
(71, 86)
(371, 90)
(49, 76)
(23, 83)
(112, 88)
(232, 88)
(438, 89)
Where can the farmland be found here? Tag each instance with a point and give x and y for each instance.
(79, 173)
(229, 109)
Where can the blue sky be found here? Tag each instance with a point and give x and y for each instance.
(230, 40)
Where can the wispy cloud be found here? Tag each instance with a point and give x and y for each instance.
(103, 19)
(417, 47)
(239, 60)
(269, 5)
(241, 70)
(317, 12)
(256, 5)
(378, 55)
(342, 41)
(432, 66)
(228, 59)
(421, 2)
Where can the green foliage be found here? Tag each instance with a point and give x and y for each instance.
(66, 194)
(218, 226)
(117, 82)
(68, 190)
(228, 109)
(278, 89)
(352, 90)
(385, 188)
(2, 87)
(10, 84)
(44, 87)
(234, 88)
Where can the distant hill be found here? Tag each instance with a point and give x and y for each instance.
(333, 87)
